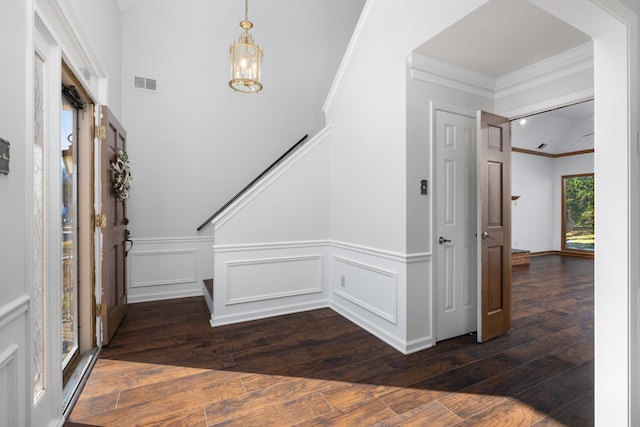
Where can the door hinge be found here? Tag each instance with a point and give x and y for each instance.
(101, 220)
(101, 309)
(101, 132)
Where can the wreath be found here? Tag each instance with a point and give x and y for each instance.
(121, 175)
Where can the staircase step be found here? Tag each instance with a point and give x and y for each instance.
(208, 285)
(208, 293)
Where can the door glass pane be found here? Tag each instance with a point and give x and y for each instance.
(579, 212)
(69, 233)
(37, 306)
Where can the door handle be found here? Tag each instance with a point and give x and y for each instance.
(442, 240)
(486, 236)
(127, 234)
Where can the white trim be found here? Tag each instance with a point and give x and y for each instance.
(8, 362)
(367, 250)
(385, 316)
(419, 344)
(193, 279)
(156, 240)
(418, 257)
(372, 328)
(269, 312)
(374, 269)
(275, 295)
(270, 246)
(68, 16)
(389, 317)
(432, 70)
(553, 68)
(14, 309)
(159, 296)
(548, 104)
(347, 55)
(270, 178)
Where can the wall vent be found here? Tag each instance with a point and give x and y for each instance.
(145, 83)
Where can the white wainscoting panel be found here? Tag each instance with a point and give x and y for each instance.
(8, 387)
(262, 280)
(165, 268)
(159, 268)
(14, 357)
(372, 288)
(368, 287)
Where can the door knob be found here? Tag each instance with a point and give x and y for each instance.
(485, 235)
(442, 240)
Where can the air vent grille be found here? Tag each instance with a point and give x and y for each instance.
(145, 83)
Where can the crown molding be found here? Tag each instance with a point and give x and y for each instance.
(436, 71)
(553, 68)
(432, 70)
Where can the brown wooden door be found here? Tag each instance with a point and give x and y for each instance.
(494, 177)
(114, 290)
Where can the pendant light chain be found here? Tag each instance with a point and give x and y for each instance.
(246, 10)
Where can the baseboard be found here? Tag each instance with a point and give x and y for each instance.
(419, 344)
(159, 296)
(394, 341)
(575, 254)
(247, 316)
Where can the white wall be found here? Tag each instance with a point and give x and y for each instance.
(533, 214)
(536, 216)
(367, 108)
(195, 142)
(100, 21)
(16, 192)
(15, 126)
(271, 252)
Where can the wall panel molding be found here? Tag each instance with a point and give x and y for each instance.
(357, 281)
(8, 386)
(168, 267)
(247, 280)
(179, 266)
(13, 310)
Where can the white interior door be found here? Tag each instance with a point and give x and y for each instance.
(455, 223)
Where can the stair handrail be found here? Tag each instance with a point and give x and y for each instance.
(252, 183)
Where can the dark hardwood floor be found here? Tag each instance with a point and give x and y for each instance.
(167, 366)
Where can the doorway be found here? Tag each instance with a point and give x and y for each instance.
(79, 343)
(547, 147)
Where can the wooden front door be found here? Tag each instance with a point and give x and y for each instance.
(114, 290)
(494, 237)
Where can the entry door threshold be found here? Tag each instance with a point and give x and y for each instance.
(72, 389)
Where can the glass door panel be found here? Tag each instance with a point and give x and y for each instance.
(69, 217)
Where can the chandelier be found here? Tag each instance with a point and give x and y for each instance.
(246, 59)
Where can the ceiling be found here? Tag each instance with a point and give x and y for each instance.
(504, 36)
(501, 37)
(563, 130)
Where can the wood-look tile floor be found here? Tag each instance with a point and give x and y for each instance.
(167, 366)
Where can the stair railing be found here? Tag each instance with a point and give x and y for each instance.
(252, 183)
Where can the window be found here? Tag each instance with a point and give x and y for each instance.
(578, 211)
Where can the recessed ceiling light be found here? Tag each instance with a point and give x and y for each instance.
(523, 121)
